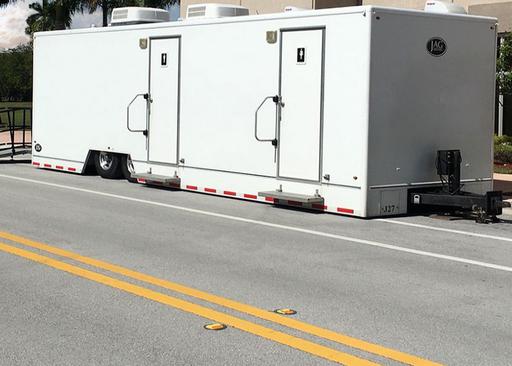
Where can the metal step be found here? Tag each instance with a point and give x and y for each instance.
(295, 197)
(156, 179)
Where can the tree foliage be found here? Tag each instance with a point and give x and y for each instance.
(51, 15)
(16, 74)
(16, 64)
(504, 66)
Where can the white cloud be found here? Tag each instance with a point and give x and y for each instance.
(85, 20)
(13, 23)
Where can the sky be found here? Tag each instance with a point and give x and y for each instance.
(13, 16)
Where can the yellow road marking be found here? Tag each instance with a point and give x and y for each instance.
(231, 304)
(189, 307)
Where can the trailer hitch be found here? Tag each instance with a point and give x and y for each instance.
(450, 195)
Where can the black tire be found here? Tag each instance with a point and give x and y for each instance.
(126, 171)
(108, 165)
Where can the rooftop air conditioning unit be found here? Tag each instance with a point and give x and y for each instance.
(436, 6)
(134, 15)
(206, 11)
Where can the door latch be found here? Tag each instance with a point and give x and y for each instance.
(278, 100)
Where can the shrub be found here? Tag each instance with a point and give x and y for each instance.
(503, 149)
(498, 140)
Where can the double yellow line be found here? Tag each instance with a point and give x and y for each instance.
(190, 307)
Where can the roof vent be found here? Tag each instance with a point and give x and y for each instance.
(207, 11)
(134, 15)
(436, 6)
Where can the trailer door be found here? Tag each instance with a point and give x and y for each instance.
(301, 89)
(164, 80)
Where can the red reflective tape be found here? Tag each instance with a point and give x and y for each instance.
(192, 187)
(59, 167)
(270, 199)
(229, 193)
(47, 165)
(72, 169)
(251, 196)
(345, 210)
(211, 190)
(141, 180)
(35, 163)
(319, 206)
(294, 203)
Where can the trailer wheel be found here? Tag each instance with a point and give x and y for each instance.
(127, 168)
(107, 165)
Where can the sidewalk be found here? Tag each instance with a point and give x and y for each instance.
(5, 137)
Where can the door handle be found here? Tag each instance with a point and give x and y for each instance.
(279, 104)
(147, 97)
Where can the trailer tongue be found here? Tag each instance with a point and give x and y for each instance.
(451, 195)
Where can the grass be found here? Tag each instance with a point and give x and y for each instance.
(503, 169)
(18, 117)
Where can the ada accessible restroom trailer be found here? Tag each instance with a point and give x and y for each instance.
(342, 110)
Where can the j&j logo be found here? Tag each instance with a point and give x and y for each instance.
(436, 46)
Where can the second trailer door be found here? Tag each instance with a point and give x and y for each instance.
(301, 85)
(164, 79)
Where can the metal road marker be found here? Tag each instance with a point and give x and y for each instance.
(285, 311)
(189, 307)
(231, 304)
(215, 326)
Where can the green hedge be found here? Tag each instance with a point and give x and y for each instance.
(503, 149)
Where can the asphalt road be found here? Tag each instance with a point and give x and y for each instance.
(438, 290)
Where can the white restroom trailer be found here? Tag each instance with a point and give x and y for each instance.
(341, 110)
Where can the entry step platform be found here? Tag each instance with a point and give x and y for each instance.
(156, 179)
(295, 197)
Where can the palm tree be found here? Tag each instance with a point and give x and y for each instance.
(51, 15)
(107, 6)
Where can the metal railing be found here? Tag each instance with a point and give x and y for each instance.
(15, 122)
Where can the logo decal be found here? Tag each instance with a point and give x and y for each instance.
(436, 46)
(38, 147)
(271, 37)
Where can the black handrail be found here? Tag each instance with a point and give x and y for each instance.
(9, 114)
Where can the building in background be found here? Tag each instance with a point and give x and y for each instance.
(500, 9)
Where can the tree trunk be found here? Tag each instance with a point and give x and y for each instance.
(59, 15)
(104, 8)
